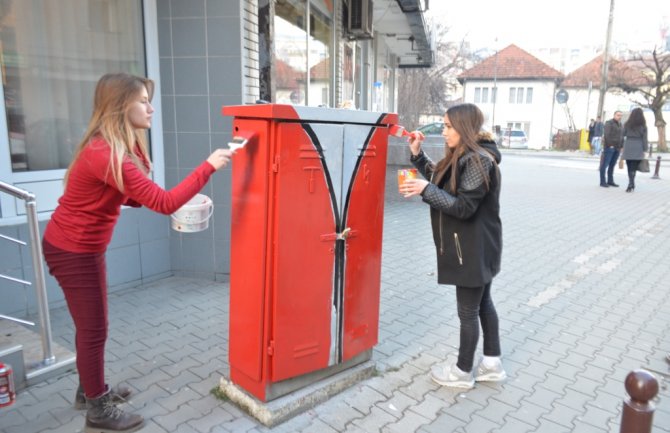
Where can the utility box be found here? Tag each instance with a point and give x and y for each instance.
(306, 242)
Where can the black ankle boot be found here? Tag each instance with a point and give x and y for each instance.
(119, 394)
(103, 416)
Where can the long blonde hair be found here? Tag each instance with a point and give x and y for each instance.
(467, 120)
(113, 95)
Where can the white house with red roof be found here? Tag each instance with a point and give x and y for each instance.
(515, 90)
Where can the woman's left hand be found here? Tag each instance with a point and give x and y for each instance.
(413, 187)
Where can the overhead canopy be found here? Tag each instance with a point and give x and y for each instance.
(402, 25)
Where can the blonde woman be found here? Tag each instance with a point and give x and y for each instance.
(463, 192)
(110, 168)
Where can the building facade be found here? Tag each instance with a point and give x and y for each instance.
(515, 90)
(202, 55)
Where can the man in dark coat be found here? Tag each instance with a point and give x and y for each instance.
(613, 142)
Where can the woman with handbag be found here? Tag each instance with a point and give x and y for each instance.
(635, 145)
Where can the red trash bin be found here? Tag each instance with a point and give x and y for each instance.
(306, 234)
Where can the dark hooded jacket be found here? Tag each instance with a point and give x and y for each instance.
(466, 225)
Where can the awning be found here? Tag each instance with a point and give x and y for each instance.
(402, 25)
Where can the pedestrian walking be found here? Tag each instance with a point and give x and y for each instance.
(635, 144)
(463, 192)
(110, 168)
(612, 142)
(595, 137)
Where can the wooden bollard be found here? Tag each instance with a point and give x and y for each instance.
(658, 168)
(638, 410)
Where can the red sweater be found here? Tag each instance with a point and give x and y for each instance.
(87, 211)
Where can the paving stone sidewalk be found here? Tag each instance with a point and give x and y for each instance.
(583, 298)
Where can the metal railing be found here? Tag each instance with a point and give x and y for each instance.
(38, 269)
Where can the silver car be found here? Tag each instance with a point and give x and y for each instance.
(433, 133)
(514, 139)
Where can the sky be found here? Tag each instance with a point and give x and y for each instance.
(542, 24)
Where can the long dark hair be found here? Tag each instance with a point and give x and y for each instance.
(467, 120)
(636, 119)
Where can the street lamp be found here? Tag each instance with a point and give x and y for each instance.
(606, 56)
(495, 88)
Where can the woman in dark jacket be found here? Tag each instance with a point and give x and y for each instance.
(463, 194)
(635, 144)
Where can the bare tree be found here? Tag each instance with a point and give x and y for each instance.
(648, 77)
(426, 90)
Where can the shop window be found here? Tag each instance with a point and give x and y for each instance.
(290, 65)
(320, 43)
(52, 54)
(302, 68)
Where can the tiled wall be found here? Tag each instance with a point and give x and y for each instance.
(202, 69)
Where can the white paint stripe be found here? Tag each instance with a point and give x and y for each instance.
(610, 249)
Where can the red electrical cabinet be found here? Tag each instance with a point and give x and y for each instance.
(306, 235)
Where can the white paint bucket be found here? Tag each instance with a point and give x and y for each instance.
(194, 215)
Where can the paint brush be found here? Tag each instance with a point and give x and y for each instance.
(237, 143)
(400, 131)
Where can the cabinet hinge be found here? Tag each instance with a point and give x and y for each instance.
(271, 348)
(275, 164)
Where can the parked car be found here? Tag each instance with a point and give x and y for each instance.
(514, 139)
(433, 133)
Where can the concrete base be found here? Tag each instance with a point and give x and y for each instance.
(284, 408)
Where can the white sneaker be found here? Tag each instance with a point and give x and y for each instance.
(452, 376)
(490, 373)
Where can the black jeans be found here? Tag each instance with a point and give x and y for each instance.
(632, 165)
(474, 306)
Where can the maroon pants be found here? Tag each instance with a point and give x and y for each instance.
(83, 278)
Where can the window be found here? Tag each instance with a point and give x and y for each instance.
(351, 94)
(482, 95)
(320, 43)
(494, 94)
(516, 95)
(291, 52)
(302, 52)
(51, 56)
(53, 53)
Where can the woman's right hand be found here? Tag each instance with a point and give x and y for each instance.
(415, 140)
(220, 158)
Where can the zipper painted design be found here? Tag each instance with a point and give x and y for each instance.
(440, 222)
(458, 249)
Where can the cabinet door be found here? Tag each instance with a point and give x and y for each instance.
(303, 253)
(249, 232)
(364, 216)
